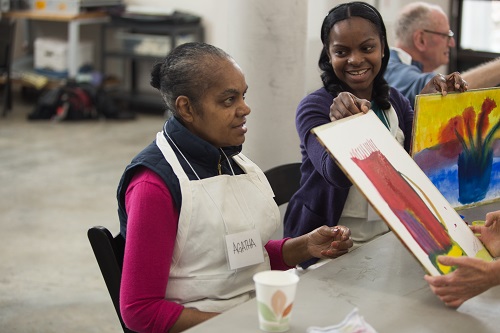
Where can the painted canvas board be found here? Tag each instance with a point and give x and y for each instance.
(399, 191)
(455, 143)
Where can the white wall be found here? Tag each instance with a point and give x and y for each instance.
(214, 13)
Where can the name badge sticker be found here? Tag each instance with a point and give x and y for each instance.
(244, 249)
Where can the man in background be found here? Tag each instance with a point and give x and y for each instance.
(423, 43)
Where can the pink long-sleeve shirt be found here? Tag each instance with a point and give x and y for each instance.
(148, 255)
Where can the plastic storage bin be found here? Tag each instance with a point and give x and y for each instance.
(52, 54)
(145, 44)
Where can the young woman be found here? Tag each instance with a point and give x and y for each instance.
(353, 61)
(190, 197)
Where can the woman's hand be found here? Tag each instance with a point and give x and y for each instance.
(346, 104)
(444, 84)
(323, 242)
(489, 233)
(329, 242)
(471, 277)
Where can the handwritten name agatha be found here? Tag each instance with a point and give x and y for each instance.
(244, 245)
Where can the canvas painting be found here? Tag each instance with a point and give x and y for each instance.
(455, 143)
(399, 191)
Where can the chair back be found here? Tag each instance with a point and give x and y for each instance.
(285, 181)
(108, 251)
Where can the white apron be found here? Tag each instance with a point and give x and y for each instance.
(358, 215)
(199, 274)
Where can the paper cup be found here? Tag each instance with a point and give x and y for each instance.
(275, 292)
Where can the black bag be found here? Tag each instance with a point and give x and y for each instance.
(107, 107)
(77, 101)
(69, 102)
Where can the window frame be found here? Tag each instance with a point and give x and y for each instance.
(463, 59)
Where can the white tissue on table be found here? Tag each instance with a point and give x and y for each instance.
(353, 323)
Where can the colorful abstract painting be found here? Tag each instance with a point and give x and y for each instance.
(399, 191)
(455, 143)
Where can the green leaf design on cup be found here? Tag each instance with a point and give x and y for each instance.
(266, 312)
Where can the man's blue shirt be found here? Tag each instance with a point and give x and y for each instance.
(409, 79)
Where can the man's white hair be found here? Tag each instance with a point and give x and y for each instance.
(414, 16)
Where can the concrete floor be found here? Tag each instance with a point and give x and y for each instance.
(56, 181)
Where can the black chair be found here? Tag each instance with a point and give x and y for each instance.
(285, 181)
(7, 33)
(108, 251)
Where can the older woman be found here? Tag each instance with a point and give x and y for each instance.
(191, 205)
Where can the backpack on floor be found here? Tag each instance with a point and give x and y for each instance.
(69, 102)
(77, 101)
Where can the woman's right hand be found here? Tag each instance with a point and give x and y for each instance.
(346, 104)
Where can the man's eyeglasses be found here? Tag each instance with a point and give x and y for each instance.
(449, 35)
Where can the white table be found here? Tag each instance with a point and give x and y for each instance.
(385, 282)
(74, 22)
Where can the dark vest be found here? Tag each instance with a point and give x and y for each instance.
(152, 158)
(202, 156)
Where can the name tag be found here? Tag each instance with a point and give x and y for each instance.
(244, 249)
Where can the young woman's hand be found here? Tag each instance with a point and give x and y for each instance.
(346, 104)
(444, 84)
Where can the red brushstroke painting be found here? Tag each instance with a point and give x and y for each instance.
(404, 201)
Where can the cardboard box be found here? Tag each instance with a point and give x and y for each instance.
(52, 54)
(56, 6)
